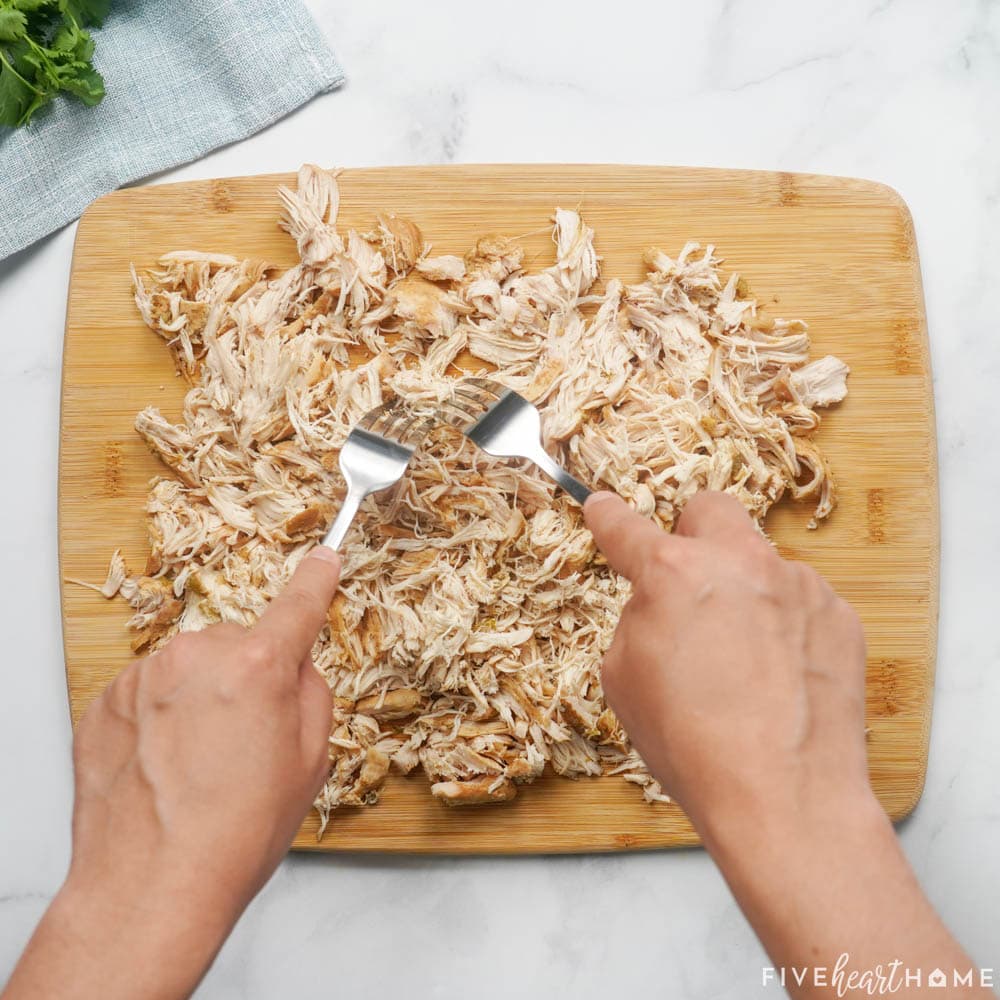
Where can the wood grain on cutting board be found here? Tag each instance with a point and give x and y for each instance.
(837, 253)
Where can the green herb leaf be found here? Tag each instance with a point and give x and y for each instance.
(16, 95)
(31, 5)
(13, 24)
(65, 39)
(45, 49)
(88, 85)
(87, 11)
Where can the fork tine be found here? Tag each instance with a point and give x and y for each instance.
(461, 416)
(495, 389)
(466, 401)
(400, 426)
(483, 399)
(394, 417)
(395, 421)
(373, 418)
(418, 429)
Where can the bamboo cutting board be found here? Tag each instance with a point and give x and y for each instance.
(838, 253)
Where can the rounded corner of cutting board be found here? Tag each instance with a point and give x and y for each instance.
(887, 194)
(837, 251)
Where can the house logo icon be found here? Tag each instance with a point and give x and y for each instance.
(937, 979)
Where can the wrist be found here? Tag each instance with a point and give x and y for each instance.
(151, 939)
(793, 857)
(822, 879)
(755, 827)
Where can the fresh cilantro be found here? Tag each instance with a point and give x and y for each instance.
(13, 24)
(45, 49)
(88, 11)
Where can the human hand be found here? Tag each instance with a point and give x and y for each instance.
(739, 676)
(193, 771)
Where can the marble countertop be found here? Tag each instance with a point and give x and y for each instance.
(901, 91)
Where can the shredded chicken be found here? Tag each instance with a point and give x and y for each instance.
(474, 609)
(116, 577)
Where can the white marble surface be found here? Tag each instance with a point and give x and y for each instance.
(902, 91)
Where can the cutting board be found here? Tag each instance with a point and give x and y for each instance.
(837, 253)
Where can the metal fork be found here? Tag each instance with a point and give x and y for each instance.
(374, 457)
(505, 425)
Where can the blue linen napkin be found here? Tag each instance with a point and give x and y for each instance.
(182, 79)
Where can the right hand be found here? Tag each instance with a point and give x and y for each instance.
(739, 676)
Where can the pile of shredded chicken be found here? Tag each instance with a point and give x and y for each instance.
(474, 610)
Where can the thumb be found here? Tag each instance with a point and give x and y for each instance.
(296, 615)
(625, 537)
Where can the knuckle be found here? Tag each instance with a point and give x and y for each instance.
(260, 653)
(179, 646)
(696, 503)
(662, 556)
(847, 618)
(711, 504)
(120, 688)
(803, 576)
(760, 550)
(811, 584)
(763, 563)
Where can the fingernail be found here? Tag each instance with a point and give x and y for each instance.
(600, 496)
(325, 553)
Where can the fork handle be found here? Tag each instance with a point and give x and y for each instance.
(555, 471)
(334, 538)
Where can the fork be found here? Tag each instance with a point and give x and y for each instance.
(505, 425)
(374, 457)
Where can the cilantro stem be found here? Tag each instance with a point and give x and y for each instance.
(3, 59)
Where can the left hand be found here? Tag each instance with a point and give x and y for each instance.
(193, 771)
